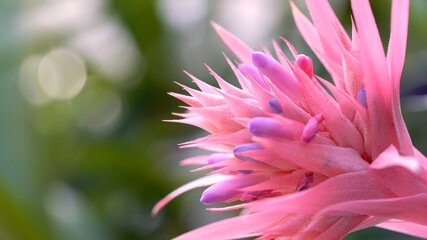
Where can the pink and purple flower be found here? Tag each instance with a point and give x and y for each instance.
(301, 163)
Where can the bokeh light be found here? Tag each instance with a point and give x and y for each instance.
(98, 110)
(182, 14)
(29, 81)
(255, 22)
(62, 74)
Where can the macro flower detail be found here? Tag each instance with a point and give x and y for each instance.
(300, 162)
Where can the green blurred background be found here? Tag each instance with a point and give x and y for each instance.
(84, 154)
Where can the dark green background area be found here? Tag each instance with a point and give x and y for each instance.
(60, 181)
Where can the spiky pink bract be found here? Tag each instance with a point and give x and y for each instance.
(304, 164)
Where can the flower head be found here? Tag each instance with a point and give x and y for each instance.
(305, 164)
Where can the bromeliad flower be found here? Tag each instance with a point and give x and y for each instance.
(303, 164)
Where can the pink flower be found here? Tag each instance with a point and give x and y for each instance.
(307, 165)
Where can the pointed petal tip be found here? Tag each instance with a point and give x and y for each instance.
(215, 25)
(154, 211)
(275, 106)
(294, 8)
(239, 48)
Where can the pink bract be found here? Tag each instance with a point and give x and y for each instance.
(305, 164)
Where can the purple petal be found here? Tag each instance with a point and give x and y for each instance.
(277, 74)
(245, 148)
(274, 105)
(268, 128)
(229, 189)
(255, 74)
(361, 98)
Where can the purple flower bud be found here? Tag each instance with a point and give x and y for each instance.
(276, 73)
(274, 105)
(262, 60)
(245, 148)
(305, 183)
(268, 128)
(361, 98)
(229, 189)
(311, 128)
(255, 74)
